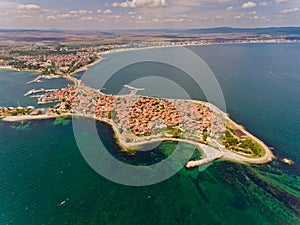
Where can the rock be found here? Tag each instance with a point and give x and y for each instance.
(288, 161)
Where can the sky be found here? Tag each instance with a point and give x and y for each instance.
(146, 14)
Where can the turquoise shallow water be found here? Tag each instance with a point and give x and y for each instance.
(40, 169)
(44, 179)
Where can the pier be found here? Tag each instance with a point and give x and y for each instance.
(211, 154)
(33, 91)
(133, 90)
(35, 80)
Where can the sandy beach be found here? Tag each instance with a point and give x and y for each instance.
(135, 49)
(8, 68)
(186, 45)
(28, 117)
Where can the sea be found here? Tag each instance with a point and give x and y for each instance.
(44, 179)
(15, 84)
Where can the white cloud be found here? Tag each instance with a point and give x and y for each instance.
(248, 5)
(51, 17)
(265, 3)
(107, 11)
(86, 18)
(141, 4)
(238, 17)
(66, 15)
(152, 13)
(28, 7)
(24, 17)
(296, 9)
(81, 12)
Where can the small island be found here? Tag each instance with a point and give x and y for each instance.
(138, 120)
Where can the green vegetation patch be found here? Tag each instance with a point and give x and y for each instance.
(21, 127)
(245, 146)
(61, 121)
(256, 148)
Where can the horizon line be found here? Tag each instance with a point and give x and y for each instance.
(147, 29)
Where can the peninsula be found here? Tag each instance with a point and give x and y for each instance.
(138, 120)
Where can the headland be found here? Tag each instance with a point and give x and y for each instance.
(139, 120)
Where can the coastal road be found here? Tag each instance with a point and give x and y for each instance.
(74, 80)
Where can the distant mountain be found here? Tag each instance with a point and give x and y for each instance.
(220, 30)
(55, 31)
(289, 31)
(226, 30)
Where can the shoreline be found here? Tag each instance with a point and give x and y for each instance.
(54, 76)
(210, 153)
(208, 156)
(86, 67)
(268, 156)
(198, 44)
(10, 68)
(100, 59)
